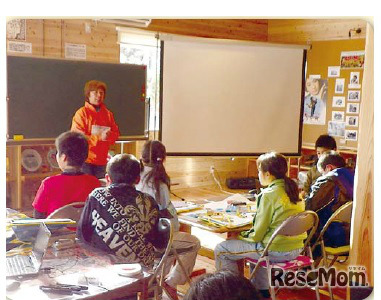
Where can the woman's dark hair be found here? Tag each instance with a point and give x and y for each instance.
(74, 145)
(276, 165)
(153, 155)
(223, 285)
(123, 168)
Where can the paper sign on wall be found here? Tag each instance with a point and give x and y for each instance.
(75, 51)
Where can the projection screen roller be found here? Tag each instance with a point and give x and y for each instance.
(231, 99)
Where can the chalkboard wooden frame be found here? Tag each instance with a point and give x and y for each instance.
(43, 94)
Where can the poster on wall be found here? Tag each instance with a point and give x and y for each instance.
(336, 128)
(315, 101)
(19, 47)
(352, 59)
(16, 30)
(75, 51)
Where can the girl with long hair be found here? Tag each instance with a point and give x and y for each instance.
(156, 182)
(278, 201)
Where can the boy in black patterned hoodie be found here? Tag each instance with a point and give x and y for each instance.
(120, 220)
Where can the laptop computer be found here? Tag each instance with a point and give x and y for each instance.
(29, 264)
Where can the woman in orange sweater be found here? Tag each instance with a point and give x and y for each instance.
(97, 123)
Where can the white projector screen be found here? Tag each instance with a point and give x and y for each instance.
(231, 98)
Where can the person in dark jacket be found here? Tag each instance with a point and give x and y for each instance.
(330, 191)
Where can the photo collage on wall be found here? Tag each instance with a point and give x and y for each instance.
(347, 96)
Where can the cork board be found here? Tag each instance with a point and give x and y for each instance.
(322, 55)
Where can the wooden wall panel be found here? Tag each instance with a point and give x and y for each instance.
(52, 39)
(188, 172)
(101, 42)
(362, 232)
(307, 30)
(239, 29)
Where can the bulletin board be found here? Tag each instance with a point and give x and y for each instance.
(326, 54)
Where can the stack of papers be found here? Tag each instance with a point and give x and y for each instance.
(182, 206)
(228, 220)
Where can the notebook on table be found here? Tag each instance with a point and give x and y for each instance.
(29, 264)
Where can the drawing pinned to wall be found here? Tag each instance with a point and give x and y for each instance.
(16, 29)
(315, 101)
(339, 86)
(338, 101)
(352, 121)
(354, 81)
(352, 59)
(338, 116)
(351, 135)
(353, 108)
(336, 128)
(354, 96)
(334, 71)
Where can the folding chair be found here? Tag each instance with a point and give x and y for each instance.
(71, 211)
(156, 281)
(342, 214)
(292, 226)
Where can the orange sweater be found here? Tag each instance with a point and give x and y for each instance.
(87, 120)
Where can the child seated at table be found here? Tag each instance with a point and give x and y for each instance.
(156, 182)
(278, 201)
(72, 185)
(118, 219)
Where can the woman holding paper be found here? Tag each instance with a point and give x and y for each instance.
(97, 123)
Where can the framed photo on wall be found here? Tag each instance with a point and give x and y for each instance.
(339, 86)
(354, 96)
(353, 108)
(351, 135)
(338, 116)
(338, 101)
(352, 121)
(354, 80)
(334, 71)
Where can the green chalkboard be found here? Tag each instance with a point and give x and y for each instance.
(43, 95)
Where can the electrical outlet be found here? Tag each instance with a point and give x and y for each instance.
(211, 169)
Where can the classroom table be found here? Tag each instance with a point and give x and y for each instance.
(81, 266)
